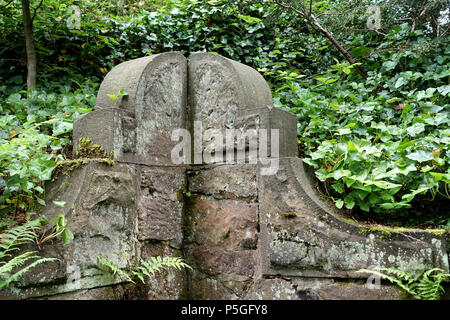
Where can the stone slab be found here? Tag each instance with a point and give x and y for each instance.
(225, 181)
(317, 242)
(102, 218)
(138, 126)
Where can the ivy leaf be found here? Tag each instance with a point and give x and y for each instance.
(61, 127)
(420, 156)
(416, 129)
(339, 203)
(339, 187)
(349, 202)
(395, 205)
(364, 206)
(404, 145)
(344, 131)
(400, 82)
(441, 177)
(40, 201)
(425, 94)
(351, 147)
(387, 66)
(444, 90)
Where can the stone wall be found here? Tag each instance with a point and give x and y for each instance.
(246, 234)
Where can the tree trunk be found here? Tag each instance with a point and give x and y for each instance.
(29, 42)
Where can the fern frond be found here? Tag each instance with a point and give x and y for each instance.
(400, 274)
(19, 235)
(18, 261)
(391, 279)
(108, 266)
(146, 268)
(155, 264)
(8, 266)
(424, 286)
(429, 286)
(9, 241)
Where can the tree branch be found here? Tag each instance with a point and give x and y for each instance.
(4, 6)
(312, 19)
(421, 13)
(36, 9)
(291, 8)
(443, 34)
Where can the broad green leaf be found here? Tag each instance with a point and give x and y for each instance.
(396, 205)
(405, 145)
(339, 187)
(444, 90)
(416, 129)
(351, 147)
(400, 82)
(420, 156)
(67, 236)
(445, 177)
(388, 65)
(344, 131)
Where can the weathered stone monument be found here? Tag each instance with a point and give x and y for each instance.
(247, 234)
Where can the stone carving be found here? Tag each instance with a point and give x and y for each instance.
(225, 94)
(138, 126)
(228, 221)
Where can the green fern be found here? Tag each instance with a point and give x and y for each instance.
(7, 268)
(146, 268)
(108, 266)
(18, 235)
(5, 223)
(427, 285)
(9, 242)
(155, 264)
(430, 288)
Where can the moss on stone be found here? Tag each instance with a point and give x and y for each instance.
(348, 220)
(389, 231)
(290, 214)
(86, 149)
(323, 217)
(86, 152)
(67, 166)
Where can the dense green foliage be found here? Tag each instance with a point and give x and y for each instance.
(106, 39)
(383, 143)
(35, 128)
(380, 146)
